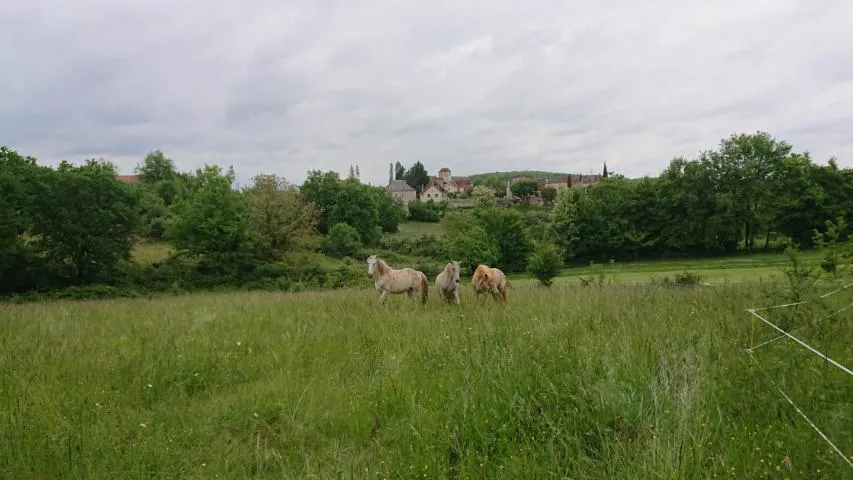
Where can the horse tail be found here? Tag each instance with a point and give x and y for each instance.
(424, 288)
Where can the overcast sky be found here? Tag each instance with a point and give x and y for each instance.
(282, 87)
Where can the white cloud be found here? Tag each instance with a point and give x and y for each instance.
(473, 85)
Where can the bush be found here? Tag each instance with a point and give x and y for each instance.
(544, 264)
(350, 274)
(683, 279)
(428, 211)
(474, 247)
(343, 241)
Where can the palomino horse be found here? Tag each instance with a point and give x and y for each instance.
(405, 280)
(447, 282)
(489, 280)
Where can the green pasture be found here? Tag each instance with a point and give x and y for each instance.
(415, 230)
(625, 381)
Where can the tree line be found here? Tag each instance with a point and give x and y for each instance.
(74, 227)
(752, 191)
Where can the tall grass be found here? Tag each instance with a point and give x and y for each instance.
(567, 382)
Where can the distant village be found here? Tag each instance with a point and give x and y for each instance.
(460, 190)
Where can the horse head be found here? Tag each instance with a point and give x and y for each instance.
(455, 270)
(371, 265)
(482, 272)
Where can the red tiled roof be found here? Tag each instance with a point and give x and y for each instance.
(462, 182)
(127, 178)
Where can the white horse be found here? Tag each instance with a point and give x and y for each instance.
(405, 280)
(447, 282)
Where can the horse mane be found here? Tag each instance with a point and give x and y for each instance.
(448, 268)
(481, 270)
(382, 267)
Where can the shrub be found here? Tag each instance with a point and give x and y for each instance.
(428, 211)
(350, 274)
(343, 241)
(473, 248)
(687, 279)
(544, 264)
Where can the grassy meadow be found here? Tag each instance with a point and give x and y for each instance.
(415, 230)
(623, 381)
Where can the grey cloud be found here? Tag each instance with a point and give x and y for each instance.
(474, 86)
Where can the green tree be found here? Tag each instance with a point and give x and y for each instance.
(156, 167)
(279, 218)
(563, 227)
(525, 190)
(420, 211)
(154, 214)
(391, 211)
(399, 171)
(798, 201)
(545, 262)
(417, 178)
(343, 241)
(84, 220)
(743, 167)
(691, 220)
(507, 228)
(17, 256)
(321, 189)
(548, 195)
(160, 185)
(356, 206)
(472, 247)
(212, 224)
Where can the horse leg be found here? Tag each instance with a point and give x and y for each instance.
(382, 296)
(456, 295)
(496, 292)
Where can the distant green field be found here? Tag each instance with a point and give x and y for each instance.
(413, 230)
(150, 252)
(734, 268)
(728, 275)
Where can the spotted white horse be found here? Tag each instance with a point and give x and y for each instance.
(388, 280)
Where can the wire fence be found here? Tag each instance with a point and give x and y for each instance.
(788, 334)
